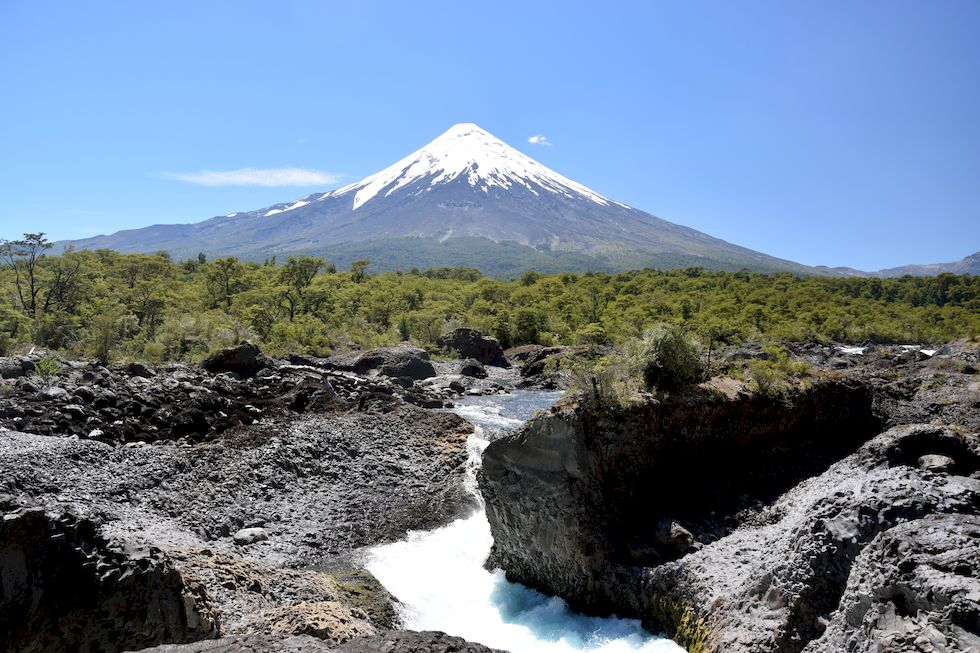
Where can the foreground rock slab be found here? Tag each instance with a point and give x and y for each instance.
(301, 498)
(64, 587)
(399, 641)
(731, 528)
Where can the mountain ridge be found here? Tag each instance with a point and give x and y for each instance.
(464, 196)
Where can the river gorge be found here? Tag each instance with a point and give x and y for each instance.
(352, 504)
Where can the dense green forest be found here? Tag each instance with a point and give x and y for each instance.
(110, 305)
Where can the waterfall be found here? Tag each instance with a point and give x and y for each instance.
(438, 575)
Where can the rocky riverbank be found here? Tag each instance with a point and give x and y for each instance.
(742, 521)
(146, 505)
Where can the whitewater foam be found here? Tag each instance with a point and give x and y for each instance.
(439, 576)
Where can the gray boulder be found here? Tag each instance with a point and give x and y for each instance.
(403, 360)
(473, 369)
(935, 462)
(12, 367)
(470, 343)
(141, 370)
(52, 393)
(250, 536)
(245, 360)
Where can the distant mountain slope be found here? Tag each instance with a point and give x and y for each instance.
(967, 265)
(466, 198)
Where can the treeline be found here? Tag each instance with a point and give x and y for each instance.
(106, 304)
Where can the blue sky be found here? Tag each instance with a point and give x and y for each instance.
(828, 132)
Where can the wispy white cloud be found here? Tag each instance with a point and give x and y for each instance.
(256, 177)
(539, 139)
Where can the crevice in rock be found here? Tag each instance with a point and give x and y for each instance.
(63, 587)
(719, 462)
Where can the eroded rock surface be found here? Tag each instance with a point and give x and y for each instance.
(470, 343)
(915, 587)
(398, 641)
(235, 514)
(319, 486)
(64, 587)
(135, 403)
(726, 522)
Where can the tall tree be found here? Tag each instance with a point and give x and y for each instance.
(23, 257)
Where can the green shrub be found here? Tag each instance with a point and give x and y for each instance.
(607, 381)
(686, 627)
(778, 373)
(154, 352)
(664, 359)
(668, 358)
(48, 367)
(591, 334)
(306, 334)
(56, 330)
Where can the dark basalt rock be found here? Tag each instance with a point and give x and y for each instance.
(135, 403)
(758, 540)
(64, 587)
(408, 641)
(473, 369)
(470, 343)
(14, 367)
(397, 641)
(245, 360)
(326, 484)
(915, 587)
(403, 360)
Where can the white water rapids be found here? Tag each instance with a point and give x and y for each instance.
(439, 576)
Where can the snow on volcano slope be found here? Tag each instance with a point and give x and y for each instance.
(466, 149)
(465, 198)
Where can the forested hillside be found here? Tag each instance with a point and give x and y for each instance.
(110, 305)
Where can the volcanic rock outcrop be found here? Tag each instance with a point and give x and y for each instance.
(747, 522)
(470, 343)
(396, 641)
(245, 525)
(64, 587)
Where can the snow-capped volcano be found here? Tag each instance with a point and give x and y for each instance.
(465, 151)
(465, 199)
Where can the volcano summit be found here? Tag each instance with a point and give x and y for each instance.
(467, 198)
